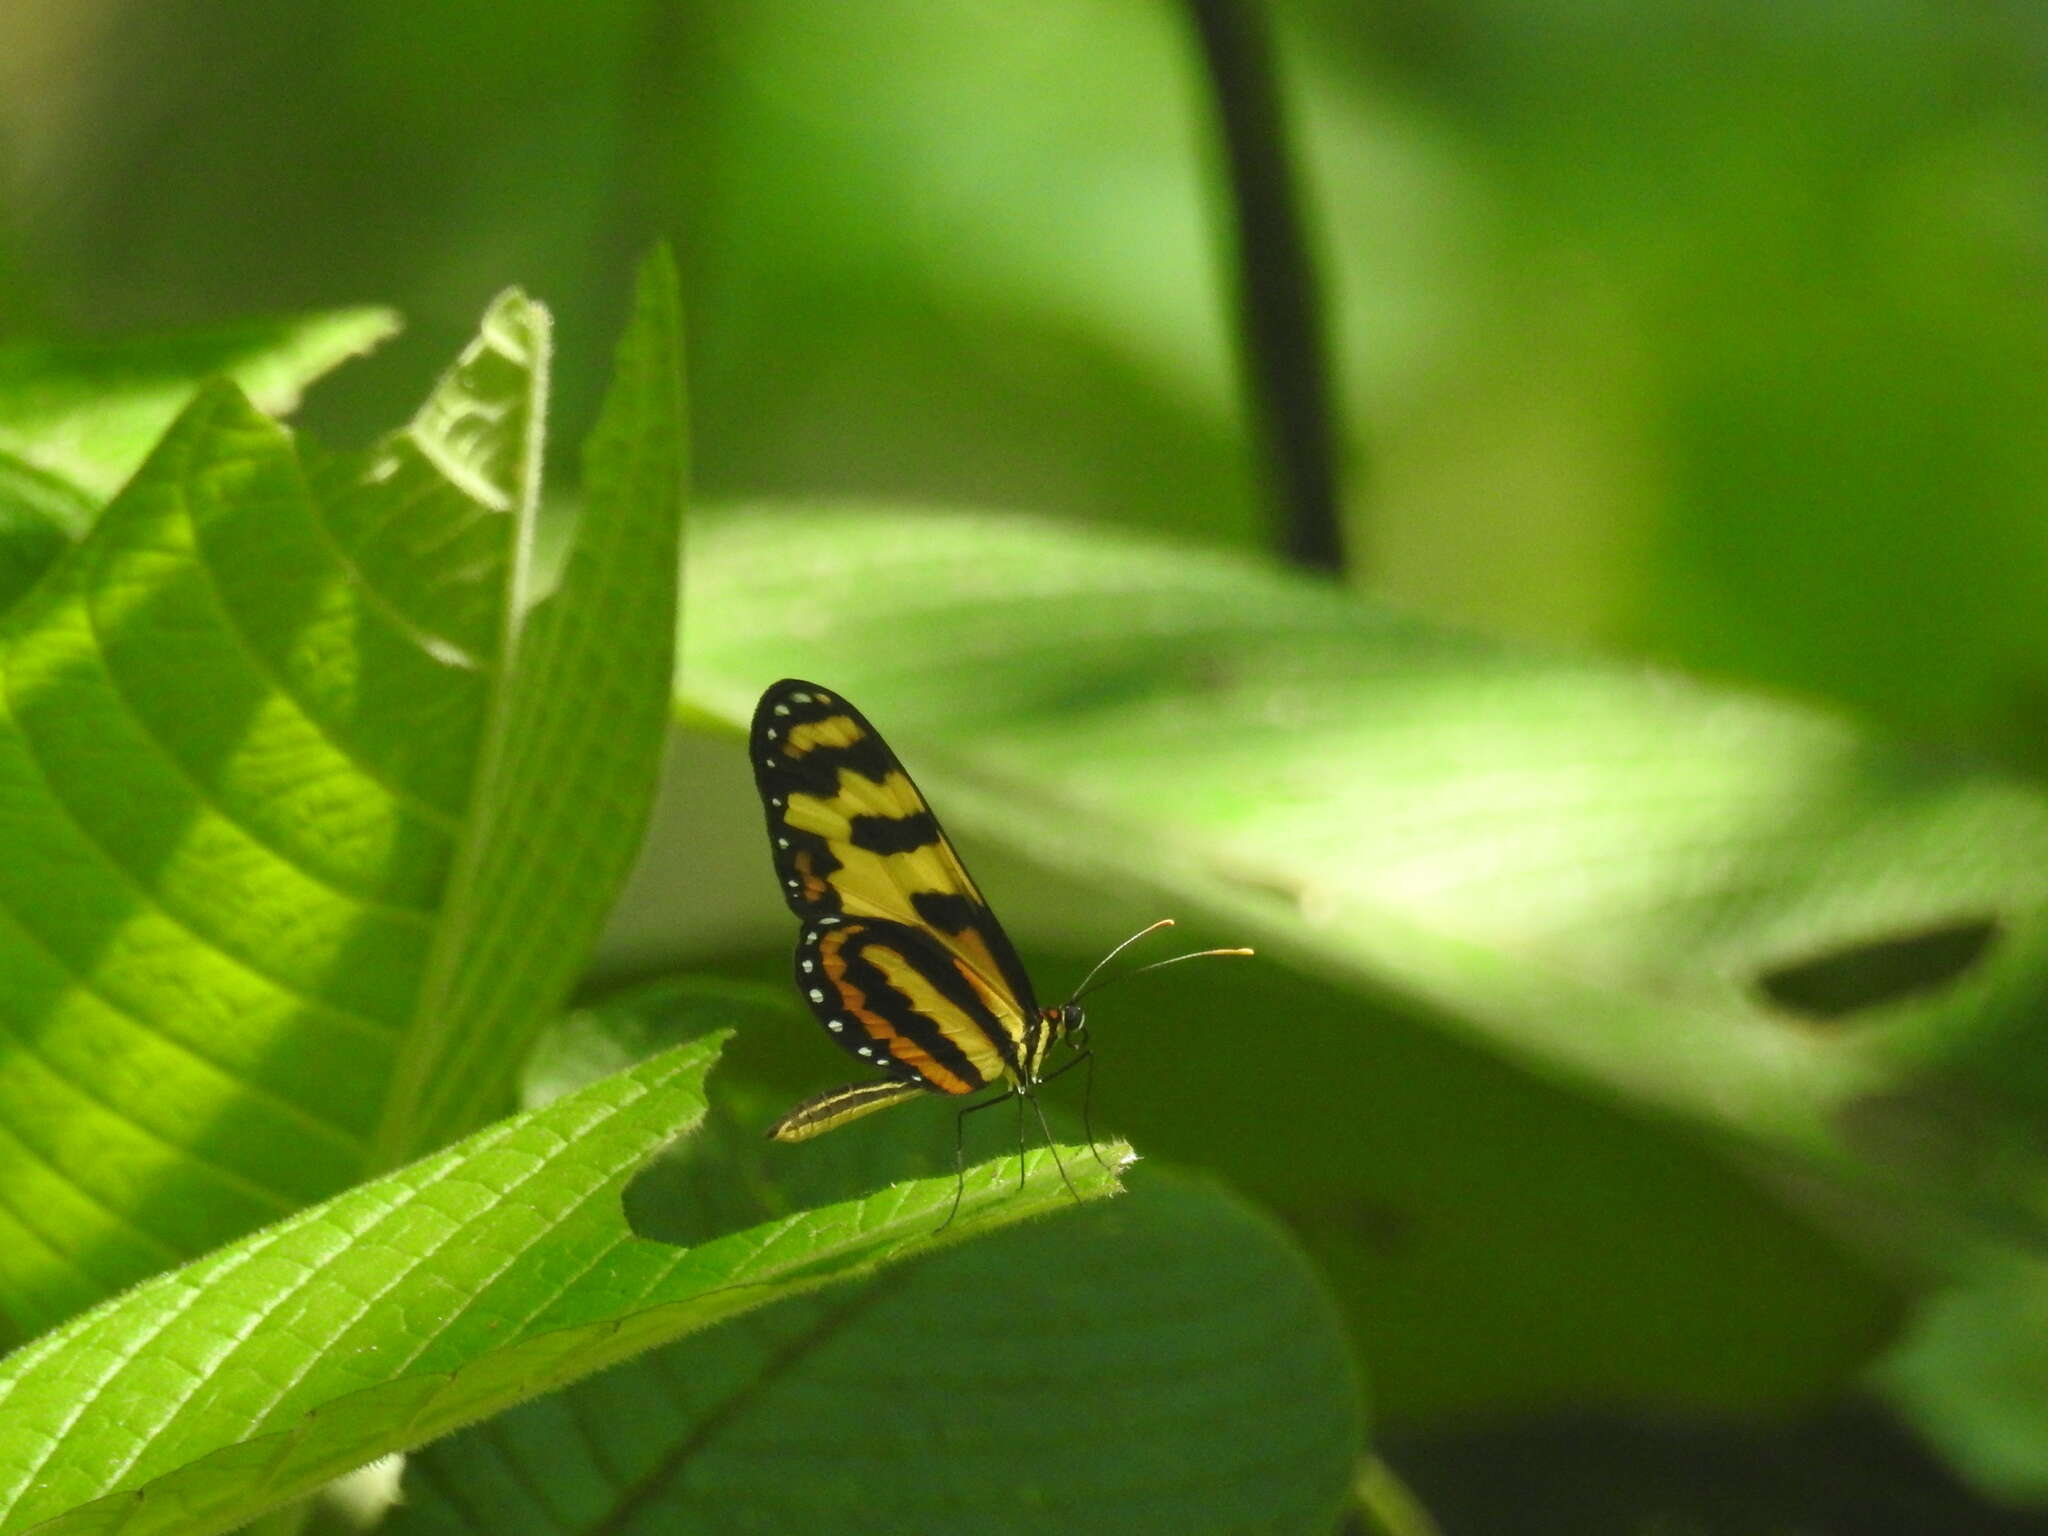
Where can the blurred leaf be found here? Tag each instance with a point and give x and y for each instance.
(1586, 868)
(204, 1396)
(978, 253)
(1970, 1376)
(90, 411)
(1165, 1362)
(1846, 1470)
(1499, 1241)
(258, 729)
(1590, 866)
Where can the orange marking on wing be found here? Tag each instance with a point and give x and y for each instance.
(967, 1035)
(815, 884)
(902, 1047)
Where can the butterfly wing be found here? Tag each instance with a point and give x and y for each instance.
(900, 958)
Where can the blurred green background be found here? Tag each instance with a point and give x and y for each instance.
(1706, 334)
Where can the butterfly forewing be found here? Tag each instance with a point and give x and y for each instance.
(900, 958)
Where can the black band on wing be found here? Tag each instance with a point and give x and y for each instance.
(934, 1035)
(804, 738)
(947, 912)
(893, 834)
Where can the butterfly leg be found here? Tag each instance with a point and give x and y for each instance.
(960, 1153)
(1052, 1146)
(1020, 1143)
(1087, 1097)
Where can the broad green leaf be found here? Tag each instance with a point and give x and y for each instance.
(1168, 1361)
(1481, 1224)
(90, 411)
(217, 892)
(1596, 873)
(573, 751)
(451, 1289)
(1593, 868)
(258, 730)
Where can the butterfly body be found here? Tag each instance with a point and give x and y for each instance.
(899, 957)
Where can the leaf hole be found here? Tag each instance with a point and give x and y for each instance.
(1837, 983)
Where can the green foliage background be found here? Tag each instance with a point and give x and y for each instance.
(1701, 337)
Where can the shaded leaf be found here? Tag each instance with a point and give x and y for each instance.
(1858, 977)
(40, 514)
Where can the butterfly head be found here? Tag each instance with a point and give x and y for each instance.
(1069, 1022)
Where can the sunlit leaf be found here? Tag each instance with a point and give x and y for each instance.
(448, 1290)
(1167, 1360)
(284, 765)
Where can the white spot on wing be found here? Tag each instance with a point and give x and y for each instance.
(817, 996)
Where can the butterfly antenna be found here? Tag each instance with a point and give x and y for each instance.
(1198, 954)
(1088, 981)
(1091, 985)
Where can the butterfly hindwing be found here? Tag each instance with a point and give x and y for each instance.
(858, 850)
(892, 996)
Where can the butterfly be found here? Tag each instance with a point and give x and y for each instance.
(899, 956)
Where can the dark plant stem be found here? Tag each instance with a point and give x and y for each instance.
(1279, 300)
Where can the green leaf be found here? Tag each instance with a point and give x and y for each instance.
(1588, 870)
(1968, 1377)
(90, 411)
(1589, 866)
(283, 760)
(496, 1270)
(572, 755)
(214, 900)
(40, 515)
(1165, 1361)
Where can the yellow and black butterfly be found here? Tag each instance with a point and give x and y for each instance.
(899, 957)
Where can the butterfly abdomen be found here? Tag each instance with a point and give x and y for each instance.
(830, 1110)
